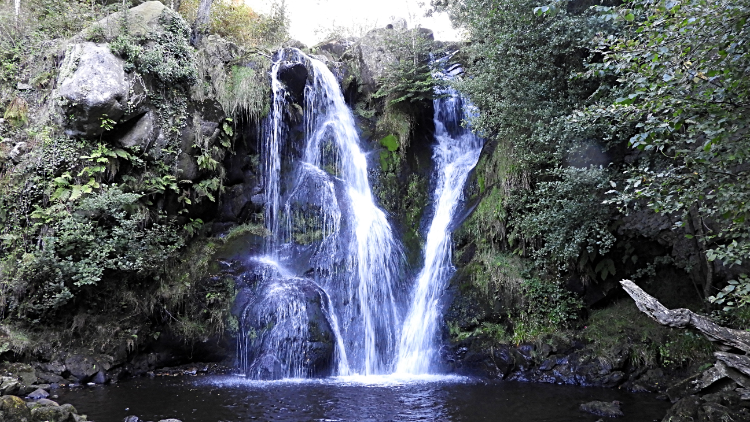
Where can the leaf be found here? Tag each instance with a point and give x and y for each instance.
(76, 193)
(390, 142)
(629, 17)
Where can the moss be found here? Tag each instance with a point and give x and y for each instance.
(622, 325)
(17, 112)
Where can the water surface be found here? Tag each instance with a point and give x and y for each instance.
(428, 398)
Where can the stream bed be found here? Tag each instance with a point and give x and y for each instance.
(372, 398)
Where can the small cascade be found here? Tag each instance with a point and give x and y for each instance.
(328, 232)
(288, 327)
(276, 131)
(456, 153)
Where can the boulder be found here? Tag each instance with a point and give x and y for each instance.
(140, 131)
(93, 89)
(603, 408)
(140, 21)
(13, 409)
(42, 402)
(84, 366)
(375, 56)
(38, 394)
(9, 385)
(64, 413)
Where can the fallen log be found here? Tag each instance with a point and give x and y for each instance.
(685, 318)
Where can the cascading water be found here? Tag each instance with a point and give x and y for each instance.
(456, 154)
(324, 215)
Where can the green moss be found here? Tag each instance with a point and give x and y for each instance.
(390, 142)
(622, 325)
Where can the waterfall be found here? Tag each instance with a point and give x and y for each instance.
(456, 154)
(321, 211)
(271, 153)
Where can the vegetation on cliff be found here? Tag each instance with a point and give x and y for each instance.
(617, 147)
(103, 204)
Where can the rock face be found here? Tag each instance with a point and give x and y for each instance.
(93, 89)
(716, 407)
(286, 332)
(140, 20)
(556, 363)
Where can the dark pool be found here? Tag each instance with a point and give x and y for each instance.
(226, 398)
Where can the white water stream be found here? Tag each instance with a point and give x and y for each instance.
(332, 248)
(331, 189)
(456, 154)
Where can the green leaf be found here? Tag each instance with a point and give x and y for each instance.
(390, 142)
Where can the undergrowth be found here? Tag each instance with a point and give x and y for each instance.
(623, 325)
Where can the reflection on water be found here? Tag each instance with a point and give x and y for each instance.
(428, 398)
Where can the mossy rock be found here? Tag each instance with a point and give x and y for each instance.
(138, 21)
(13, 409)
(62, 413)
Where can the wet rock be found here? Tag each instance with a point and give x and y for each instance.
(22, 372)
(49, 377)
(548, 363)
(38, 394)
(82, 367)
(64, 413)
(277, 327)
(294, 76)
(93, 87)
(18, 151)
(697, 382)
(9, 385)
(170, 420)
(14, 409)
(716, 407)
(504, 361)
(100, 378)
(131, 419)
(603, 408)
(43, 402)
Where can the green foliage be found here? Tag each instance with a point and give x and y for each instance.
(622, 327)
(390, 142)
(683, 84)
(167, 55)
(237, 22)
(246, 91)
(548, 308)
(17, 112)
(563, 217)
(540, 191)
(735, 294)
(409, 78)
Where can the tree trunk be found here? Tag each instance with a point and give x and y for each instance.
(202, 21)
(734, 341)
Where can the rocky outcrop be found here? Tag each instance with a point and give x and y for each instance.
(555, 362)
(138, 21)
(93, 89)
